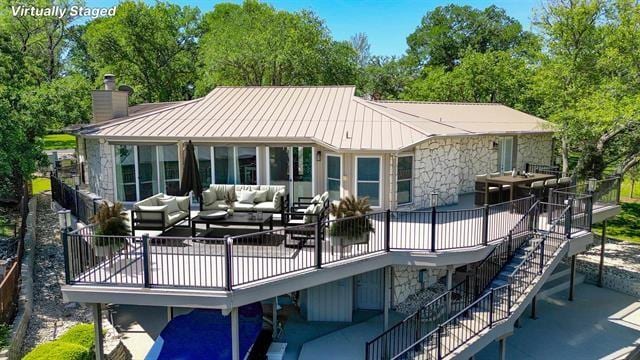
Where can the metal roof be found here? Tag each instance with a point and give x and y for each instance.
(328, 115)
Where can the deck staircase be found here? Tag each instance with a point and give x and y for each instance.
(499, 290)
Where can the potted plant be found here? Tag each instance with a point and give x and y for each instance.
(111, 222)
(355, 228)
(229, 199)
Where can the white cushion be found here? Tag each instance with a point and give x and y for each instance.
(151, 216)
(307, 212)
(316, 199)
(324, 197)
(242, 206)
(216, 205)
(247, 197)
(175, 217)
(209, 197)
(261, 196)
(171, 203)
(277, 200)
(266, 206)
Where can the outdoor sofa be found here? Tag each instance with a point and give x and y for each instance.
(248, 198)
(160, 212)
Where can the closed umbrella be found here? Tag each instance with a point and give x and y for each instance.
(190, 175)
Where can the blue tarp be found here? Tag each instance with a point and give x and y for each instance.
(206, 334)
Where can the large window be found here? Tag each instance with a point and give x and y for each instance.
(334, 174)
(125, 173)
(505, 158)
(147, 170)
(247, 166)
(203, 154)
(404, 180)
(223, 165)
(169, 169)
(368, 179)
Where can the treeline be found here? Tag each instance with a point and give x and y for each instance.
(579, 67)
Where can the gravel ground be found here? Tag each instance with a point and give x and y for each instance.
(421, 298)
(618, 254)
(51, 317)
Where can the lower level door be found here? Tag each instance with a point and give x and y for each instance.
(370, 290)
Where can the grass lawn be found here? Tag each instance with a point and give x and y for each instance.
(625, 190)
(625, 226)
(59, 142)
(40, 184)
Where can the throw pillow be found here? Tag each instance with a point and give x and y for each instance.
(277, 200)
(209, 197)
(171, 203)
(261, 196)
(247, 196)
(307, 214)
(316, 199)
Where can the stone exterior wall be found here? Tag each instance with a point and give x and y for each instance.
(436, 168)
(100, 168)
(405, 280)
(534, 149)
(476, 157)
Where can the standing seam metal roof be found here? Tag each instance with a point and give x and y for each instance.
(329, 115)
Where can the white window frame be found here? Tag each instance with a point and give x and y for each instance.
(501, 147)
(290, 154)
(235, 162)
(410, 180)
(326, 169)
(379, 182)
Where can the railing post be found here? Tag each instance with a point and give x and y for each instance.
(318, 244)
(569, 219)
(145, 259)
(542, 255)
(439, 341)
(619, 186)
(417, 329)
(433, 228)
(491, 309)
(228, 244)
(65, 252)
(509, 296)
(387, 231)
(76, 197)
(485, 225)
(509, 242)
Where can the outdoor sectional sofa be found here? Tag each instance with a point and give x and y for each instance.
(160, 212)
(263, 198)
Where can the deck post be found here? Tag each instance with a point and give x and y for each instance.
(169, 313)
(274, 317)
(65, 254)
(603, 240)
(433, 228)
(449, 286)
(502, 349)
(235, 334)
(145, 259)
(97, 326)
(572, 278)
(228, 244)
(533, 308)
(485, 225)
(318, 244)
(387, 295)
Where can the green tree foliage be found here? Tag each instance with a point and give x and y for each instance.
(254, 44)
(385, 77)
(447, 32)
(149, 47)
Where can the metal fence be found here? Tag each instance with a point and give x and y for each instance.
(82, 205)
(10, 284)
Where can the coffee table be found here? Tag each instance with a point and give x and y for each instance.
(235, 219)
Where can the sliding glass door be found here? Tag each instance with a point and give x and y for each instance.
(292, 167)
(147, 171)
(125, 173)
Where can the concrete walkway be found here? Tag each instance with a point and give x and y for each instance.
(598, 324)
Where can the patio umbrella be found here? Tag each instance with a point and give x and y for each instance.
(190, 175)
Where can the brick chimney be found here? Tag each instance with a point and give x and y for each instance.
(109, 103)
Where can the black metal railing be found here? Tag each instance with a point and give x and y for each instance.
(604, 192)
(81, 204)
(543, 169)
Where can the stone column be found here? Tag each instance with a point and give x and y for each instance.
(97, 326)
(235, 334)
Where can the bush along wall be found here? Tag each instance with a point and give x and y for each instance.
(75, 344)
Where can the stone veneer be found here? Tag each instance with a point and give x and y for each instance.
(100, 168)
(448, 165)
(405, 279)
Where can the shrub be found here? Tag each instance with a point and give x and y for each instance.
(59, 350)
(81, 334)
(75, 344)
(5, 335)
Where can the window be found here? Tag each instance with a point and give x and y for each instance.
(125, 173)
(223, 165)
(505, 154)
(247, 166)
(147, 171)
(334, 166)
(169, 169)
(203, 154)
(368, 179)
(404, 180)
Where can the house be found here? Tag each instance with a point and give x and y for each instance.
(311, 139)
(492, 259)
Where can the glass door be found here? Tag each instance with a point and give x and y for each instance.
(506, 154)
(293, 168)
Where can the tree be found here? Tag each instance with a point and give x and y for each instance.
(151, 48)
(360, 43)
(254, 44)
(446, 33)
(384, 77)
